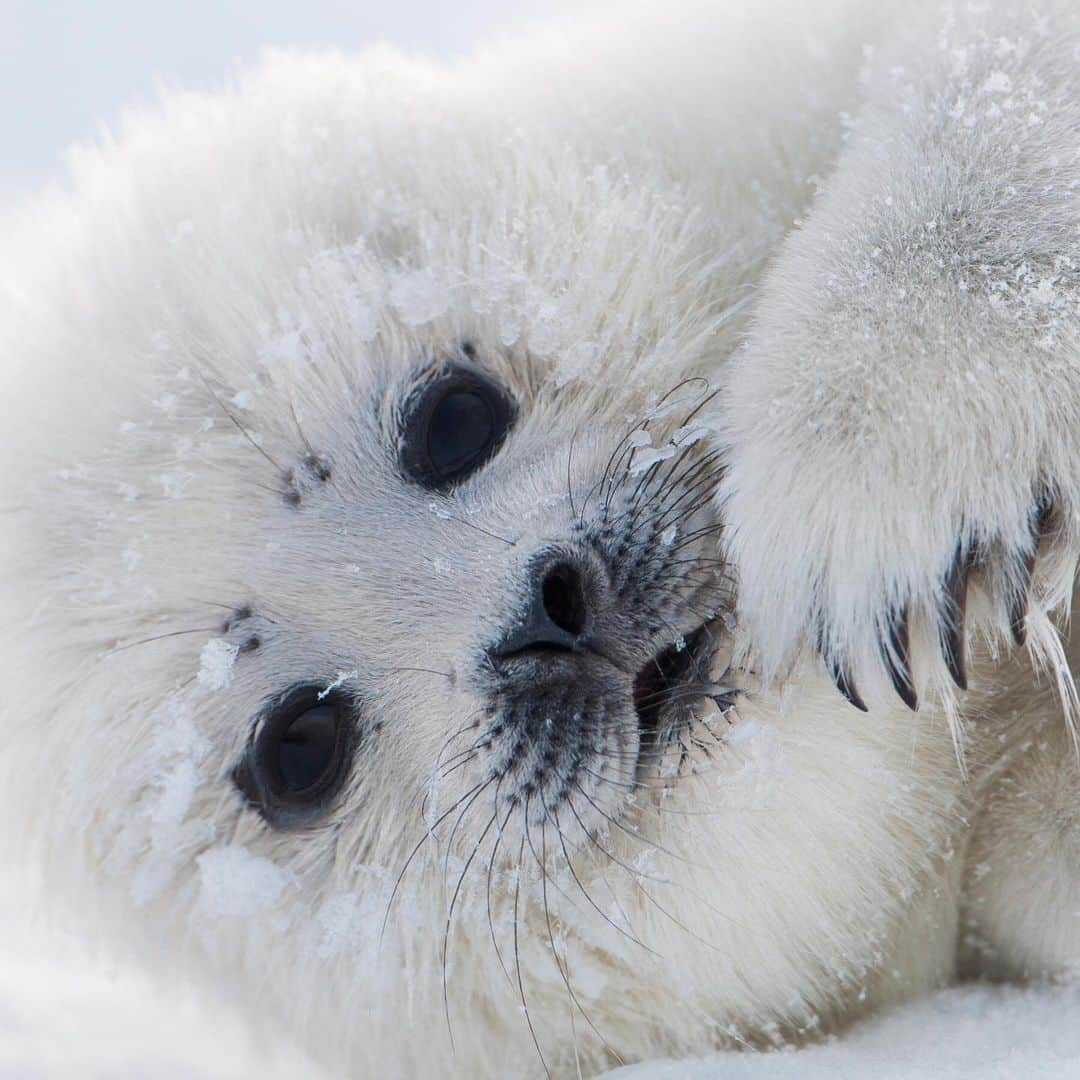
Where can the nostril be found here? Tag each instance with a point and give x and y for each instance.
(564, 599)
(556, 617)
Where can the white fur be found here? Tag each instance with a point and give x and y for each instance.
(243, 274)
(909, 384)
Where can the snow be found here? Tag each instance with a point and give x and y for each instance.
(237, 883)
(216, 663)
(968, 1033)
(339, 680)
(997, 83)
(67, 1016)
(418, 297)
(692, 433)
(647, 458)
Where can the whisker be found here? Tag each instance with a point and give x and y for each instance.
(450, 911)
(490, 869)
(569, 473)
(629, 832)
(239, 427)
(517, 953)
(424, 670)
(160, 637)
(445, 515)
(428, 833)
(635, 875)
(542, 862)
(584, 892)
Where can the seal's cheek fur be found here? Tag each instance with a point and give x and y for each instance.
(371, 644)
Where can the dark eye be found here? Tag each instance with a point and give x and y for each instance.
(453, 426)
(299, 758)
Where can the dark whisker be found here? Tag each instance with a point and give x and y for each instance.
(162, 637)
(450, 912)
(629, 832)
(584, 892)
(542, 863)
(517, 954)
(635, 876)
(490, 869)
(569, 473)
(239, 427)
(428, 833)
(424, 670)
(445, 515)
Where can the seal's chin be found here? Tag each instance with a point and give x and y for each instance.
(668, 690)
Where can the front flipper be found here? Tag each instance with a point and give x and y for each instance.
(903, 427)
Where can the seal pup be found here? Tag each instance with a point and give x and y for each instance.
(372, 644)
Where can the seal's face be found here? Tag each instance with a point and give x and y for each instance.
(524, 616)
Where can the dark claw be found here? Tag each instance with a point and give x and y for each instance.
(845, 685)
(897, 657)
(1019, 598)
(953, 615)
(1024, 568)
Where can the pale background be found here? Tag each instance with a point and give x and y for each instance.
(67, 66)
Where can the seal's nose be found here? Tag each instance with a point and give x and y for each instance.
(557, 614)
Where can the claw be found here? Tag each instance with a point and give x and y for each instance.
(841, 676)
(897, 657)
(1018, 599)
(953, 615)
(845, 685)
(1024, 568)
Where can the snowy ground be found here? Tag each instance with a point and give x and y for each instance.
(972, 1033)
(64, 1016)
(67, 1016)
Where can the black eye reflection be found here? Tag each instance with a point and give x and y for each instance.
(299, 757)
(452, 426)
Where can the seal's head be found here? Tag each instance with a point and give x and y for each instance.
(496, 588)
(370, 617)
